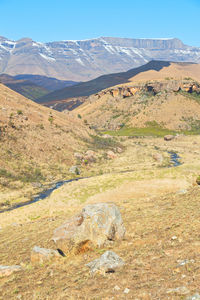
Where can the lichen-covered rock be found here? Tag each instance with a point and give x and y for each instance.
(194, 297)
(8, 270)
(158, 157)
(181, 290)
(108, 262)
(94, 226)
(111, 155)
(40, 255)
(90, 156)
(75, 170)
(78, 155)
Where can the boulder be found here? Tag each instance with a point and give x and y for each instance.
(75, 170)
(107, 263)
(158, 157)
(194, 297)
(95, 226)
(78, 156)
(90, 156)
(41, 255)
(111, 155)
(169, 137)
(8, 270)
(181, 290)
(119, 150)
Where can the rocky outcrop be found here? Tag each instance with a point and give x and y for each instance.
(88, 157)
(95, 226)
(75, 170)
(8, 270)
(41, 255)
(153, 87)
(169, 137)
(173, 86)
(111, 155)
(107, 263)
(158, 157)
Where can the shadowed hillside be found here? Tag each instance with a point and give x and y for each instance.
(100, 83)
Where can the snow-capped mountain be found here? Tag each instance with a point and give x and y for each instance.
(87, 59)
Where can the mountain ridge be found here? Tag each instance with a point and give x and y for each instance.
(100, 83)
(87, 59)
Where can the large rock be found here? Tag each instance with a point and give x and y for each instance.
(8, 270)
(41, 255)
(90, 156)
(75, 170)
(78, 156)
(169, 137)
(158, 157)
(95, 226)
(108, 262)
(111, 155)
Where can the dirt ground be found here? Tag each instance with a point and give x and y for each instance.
(160, 209)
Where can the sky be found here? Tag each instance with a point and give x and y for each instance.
(56, 20)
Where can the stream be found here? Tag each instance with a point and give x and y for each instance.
(174, 159)
(44, 194)
(41, 196)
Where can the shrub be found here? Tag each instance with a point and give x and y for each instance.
(19, 112)
(198, 180)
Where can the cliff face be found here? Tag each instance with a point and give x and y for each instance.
(156, 87)
(85, 60)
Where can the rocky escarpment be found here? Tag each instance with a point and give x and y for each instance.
(128, 91)
(156, 87)
(172, 104)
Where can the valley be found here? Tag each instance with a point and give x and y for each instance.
(134, 143)
(157, 203)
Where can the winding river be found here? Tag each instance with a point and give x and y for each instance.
(174, 158)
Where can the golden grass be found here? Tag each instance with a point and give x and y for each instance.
(153, 211)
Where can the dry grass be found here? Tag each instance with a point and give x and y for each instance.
(153, 212)
(36, 145)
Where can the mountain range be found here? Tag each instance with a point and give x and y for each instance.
(87, 59)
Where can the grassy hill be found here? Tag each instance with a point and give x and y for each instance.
(165, 99)
(106, 81)
(49, 83)
(36, 144)
(24, 87)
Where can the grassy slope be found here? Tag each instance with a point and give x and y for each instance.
(37, 145)
(153, 213)
(169, 111)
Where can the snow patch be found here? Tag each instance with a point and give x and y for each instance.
(80, 61)
(35, 44)
(47, 57)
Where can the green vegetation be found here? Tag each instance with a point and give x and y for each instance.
(100, 143)
(194, 95)
(31, 92)
(198, 180)
(151, 131)
(146, 131)
(79, 116)
(19, 112)
(50, 119)
(24, 176)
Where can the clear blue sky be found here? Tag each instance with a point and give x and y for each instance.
(51, 20)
